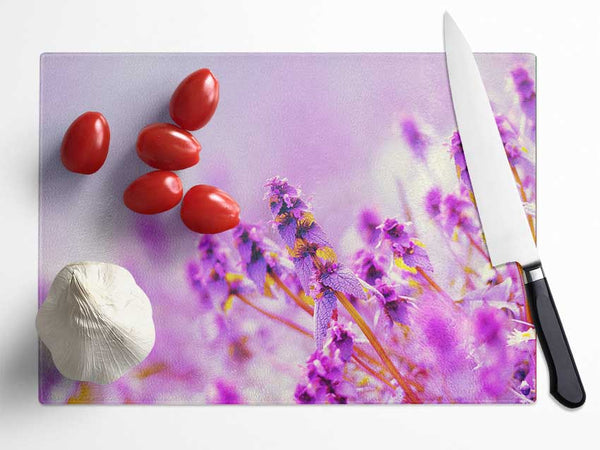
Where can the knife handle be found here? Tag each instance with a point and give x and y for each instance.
(565, 383)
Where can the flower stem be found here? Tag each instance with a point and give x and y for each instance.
(372, 372)
(524, 199)
(478, 247)
(358, 351)
(307, 333)
(410, 395)
(528, 315)
(276, 317)
(301, 303)
(434, 285)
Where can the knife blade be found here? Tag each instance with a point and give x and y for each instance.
(504, 223)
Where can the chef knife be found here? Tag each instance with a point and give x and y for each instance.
(505, 227)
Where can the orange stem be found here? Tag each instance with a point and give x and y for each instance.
(370, 371)
(364, 355)
(524, 199)
(434, 285)
(410, 395)
(276, 317)
(358, 351)
(377, 363)
(478, 247)
(528, 315)
(307, 333)
(301, 303)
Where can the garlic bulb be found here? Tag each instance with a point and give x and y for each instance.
(96, 322)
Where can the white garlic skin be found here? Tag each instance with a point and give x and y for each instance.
(96, 322)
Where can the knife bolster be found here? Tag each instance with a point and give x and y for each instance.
(533, 273)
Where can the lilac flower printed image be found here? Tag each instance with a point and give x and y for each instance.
(359, 272)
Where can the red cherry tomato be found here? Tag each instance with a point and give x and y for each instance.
(209, 210)
(85, 144)
(154, 192)
(195, 100)
(167, 147)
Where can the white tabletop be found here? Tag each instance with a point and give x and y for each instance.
(567, 43)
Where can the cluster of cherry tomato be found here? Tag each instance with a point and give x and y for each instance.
(166, 147)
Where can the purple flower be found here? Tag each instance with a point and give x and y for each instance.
(416, 140)
(433, 202)
(207, 274)
(415, 256)
(308, 230)
(524, 388)
(513, 273)
(490, 326)
(521, 371)
(325, 371)
(339, 278)
(325, 306)
(395, 306)
(515, 151)
(309, 394)
(524, 379)
(496, 360)
(226, 394)
(259, 256)
(291, 215)
(324, 374)
(441, 335)
(249, 241)
(457, 212)
(368, 266)
(212, 255)
(311, 254)
(510, 139)
(396, 233)
(368, 223)
(342, 339)
(287, 208)
(404, 245)
(331, 277)
(500, 296)
(456, 149)
(282, 196)
(512, 146)
(303, 255)
(286, 225)
(525, 87)
(238, 284)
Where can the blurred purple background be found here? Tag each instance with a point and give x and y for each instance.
(328, 122)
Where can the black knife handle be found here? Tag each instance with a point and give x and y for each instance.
(565, 383)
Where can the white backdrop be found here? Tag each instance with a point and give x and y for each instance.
(566, 40)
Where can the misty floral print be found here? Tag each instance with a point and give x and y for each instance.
(280, 312)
